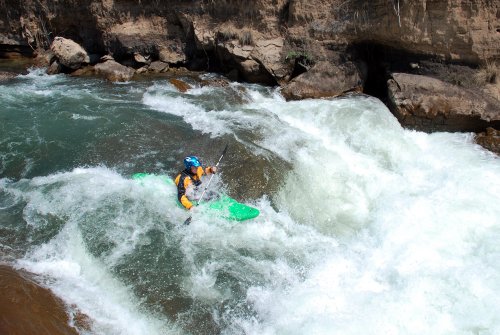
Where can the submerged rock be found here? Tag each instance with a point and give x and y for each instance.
(180, 85)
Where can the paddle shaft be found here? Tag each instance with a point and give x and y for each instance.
(188, 220)
(212, 176)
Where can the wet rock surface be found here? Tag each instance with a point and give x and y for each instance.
(28, 308)
(490, 139)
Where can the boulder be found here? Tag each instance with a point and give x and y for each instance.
(54, 68)
(324, 79)
(142, 70)
(429, 104)
(141, 59)
(254, 72)
(69, 53)
(171, 55)
(158, 67)
(114, 71)
(85, 71)
(180, 85)
(489, 139)
(43, 58)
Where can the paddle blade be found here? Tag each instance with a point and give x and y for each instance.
(225, 149)
(188, 221)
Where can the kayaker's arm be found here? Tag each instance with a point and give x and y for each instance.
(185, 202)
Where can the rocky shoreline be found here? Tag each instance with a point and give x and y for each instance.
(435, 65)
(28, 308)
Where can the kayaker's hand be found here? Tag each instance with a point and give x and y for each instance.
(213, 169)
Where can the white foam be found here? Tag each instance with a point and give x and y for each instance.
(416, 216)
(84, 281)
(196, 116)
(411, 211)
(74, 274)
(374, 230)
(75, 116)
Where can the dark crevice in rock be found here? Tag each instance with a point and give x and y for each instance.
(377, 58)
(300, 66)
(382, 60)
(8, 51)
(205, 60)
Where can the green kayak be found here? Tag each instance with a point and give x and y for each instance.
(225, 206)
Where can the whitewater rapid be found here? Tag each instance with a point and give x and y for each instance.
(369, 229)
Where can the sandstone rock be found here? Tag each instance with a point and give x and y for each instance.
(451, 30)
(490, 139)
(180, 85)
(85, 71)
(493, 90)
(69, 53)
(448, 30)
(324, 80)
(215, 82)
(5, 76)
(136, 32)
(240, 51)
(203, 36)
(253, 72)
(44, 58)
(269, 54)
(141, 59)
(114, 71)
(28, 308)
(106, 58)
(142, 70)
(158, 67)
(170, 56)
(258, 63)
(429, 104)
(54, 68)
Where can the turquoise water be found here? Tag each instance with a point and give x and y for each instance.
(365, 228)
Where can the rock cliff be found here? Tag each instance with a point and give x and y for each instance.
(311, 48)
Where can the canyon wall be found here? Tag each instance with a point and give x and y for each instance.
(312, 49)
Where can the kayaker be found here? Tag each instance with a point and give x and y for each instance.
(189, 179)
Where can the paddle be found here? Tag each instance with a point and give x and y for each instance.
(188, 220)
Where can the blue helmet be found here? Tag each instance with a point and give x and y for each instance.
(191, 161)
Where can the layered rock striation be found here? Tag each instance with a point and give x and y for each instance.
(312, 49)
